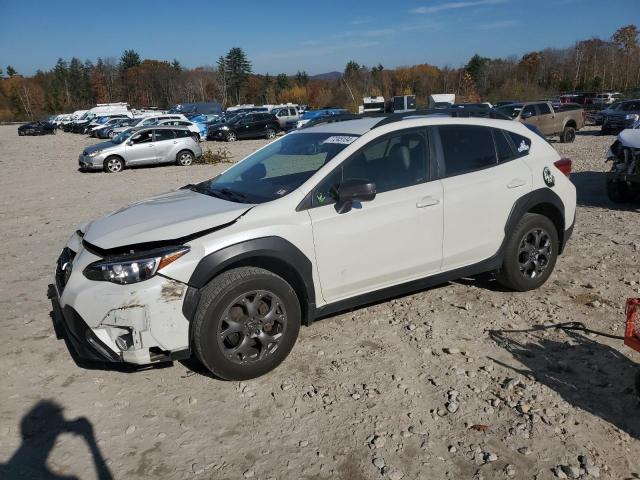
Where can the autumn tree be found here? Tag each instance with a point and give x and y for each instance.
(626, 38)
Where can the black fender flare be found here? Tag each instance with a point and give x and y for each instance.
(272, 253)
(542, 197)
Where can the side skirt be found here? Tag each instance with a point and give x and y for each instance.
(389, 293)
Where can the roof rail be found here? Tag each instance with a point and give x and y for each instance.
(457, 112)
(334, 118)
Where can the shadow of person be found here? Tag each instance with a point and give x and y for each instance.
(587, 374)
(40, 428)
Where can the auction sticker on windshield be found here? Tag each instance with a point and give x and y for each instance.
(341, 139)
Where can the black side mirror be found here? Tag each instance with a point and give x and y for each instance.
(355, 190)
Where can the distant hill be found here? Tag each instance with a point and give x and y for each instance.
(326, 76)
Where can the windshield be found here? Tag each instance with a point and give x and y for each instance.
(512, 110)
(122, 136)
(278, 169)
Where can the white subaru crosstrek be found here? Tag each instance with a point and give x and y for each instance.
(322, 220)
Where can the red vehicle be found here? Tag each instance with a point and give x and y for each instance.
(582, 98)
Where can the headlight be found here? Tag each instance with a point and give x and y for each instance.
(632, 116)
(224, 128)
(134, 267)
(93, 154)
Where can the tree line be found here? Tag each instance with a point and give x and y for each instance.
(588, 65)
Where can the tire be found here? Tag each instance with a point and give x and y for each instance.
(113, 164)
(184, 158)
(220, 300)
(530, 253)
(271, 133)
(568, 135)
(619, 192)
(231, 137)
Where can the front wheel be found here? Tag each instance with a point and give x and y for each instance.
(185, 158)
(530, 253)
(568, 135)
(231, 137)
(271, 133)
(113, 165)
(246, 323)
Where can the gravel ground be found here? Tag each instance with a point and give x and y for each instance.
(434, 385)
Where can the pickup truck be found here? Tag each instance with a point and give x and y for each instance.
(562, 122)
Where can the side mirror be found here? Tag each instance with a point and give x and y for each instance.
(526, 115)
(130, 142)
(355, 190)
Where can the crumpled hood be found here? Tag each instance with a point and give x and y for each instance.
(99, 146)
(169, 216)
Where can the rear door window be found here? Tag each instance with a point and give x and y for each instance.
(466, 148)
(164, 134)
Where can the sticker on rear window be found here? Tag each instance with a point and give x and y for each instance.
(341, 139)
(523, 147)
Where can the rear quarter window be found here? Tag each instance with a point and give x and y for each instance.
(520, 143)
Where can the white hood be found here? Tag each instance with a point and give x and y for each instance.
(169, 216)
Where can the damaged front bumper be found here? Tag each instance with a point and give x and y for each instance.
(140, 323)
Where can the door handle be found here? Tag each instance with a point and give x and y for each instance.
(515, 183)
(427, 202)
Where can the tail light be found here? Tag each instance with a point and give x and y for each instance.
(632, 331)
(564, 165)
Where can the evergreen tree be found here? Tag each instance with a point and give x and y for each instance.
(302, 78)
(11, 72)
(129, 58)
(176, 65)
(238, 69)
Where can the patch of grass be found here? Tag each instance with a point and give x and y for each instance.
(213, 157)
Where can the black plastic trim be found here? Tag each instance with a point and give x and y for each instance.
(488, 265)
(263, 250)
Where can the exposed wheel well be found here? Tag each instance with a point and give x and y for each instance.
(552, 213)
(284, 270)
(571, 124)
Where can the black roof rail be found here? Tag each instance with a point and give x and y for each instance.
(456, 112)
(338, 118)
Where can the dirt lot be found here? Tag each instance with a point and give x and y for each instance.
(427, 386)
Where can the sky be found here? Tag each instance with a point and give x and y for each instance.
(287, 36)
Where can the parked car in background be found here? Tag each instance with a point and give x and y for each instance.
(598, 117)
(286, 116)
(107, 131)
(197, 107)
(192, 127)
(502, 103)
(101, 122)
(151, 120)
(563, 123)
(310, 115)
(607, 98)
(250, 125)
(36, 128)
(625, 116)
(142, 146)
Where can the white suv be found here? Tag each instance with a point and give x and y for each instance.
(322, 220)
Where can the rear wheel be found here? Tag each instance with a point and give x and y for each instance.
(568, 135)
(530, 253)
(246, 323)
(113, 164)
(619, 192)
(184, 158)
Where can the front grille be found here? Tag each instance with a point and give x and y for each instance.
(64, 266)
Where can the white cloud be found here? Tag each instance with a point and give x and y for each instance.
(455, 6)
